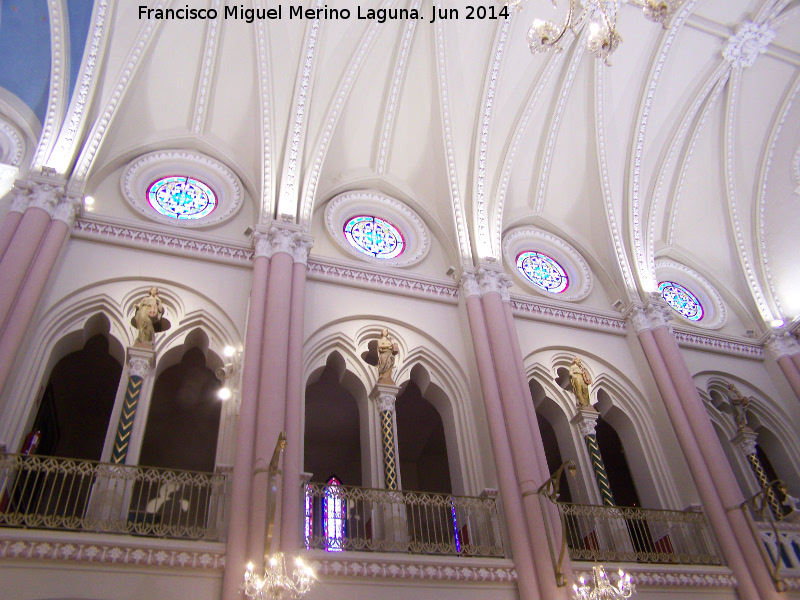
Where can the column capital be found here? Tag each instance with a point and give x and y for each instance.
(19, 199)
(67, 210)
(493, 279)
(468, 284)
(586, 421)
(44, 195)
(385, 396)
(658, 312)
(782, 343)
(638, 319)
(746, 440)
(140, 361)
(302, 246)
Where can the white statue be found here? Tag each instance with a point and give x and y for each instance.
(387, 350)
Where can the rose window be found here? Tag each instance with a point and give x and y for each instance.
(374, 236)
(542, 271)
(181, 198)
(681, 300)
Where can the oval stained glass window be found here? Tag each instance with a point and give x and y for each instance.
(181, 197)
(374, 236)
(681, 300)
(542, 271)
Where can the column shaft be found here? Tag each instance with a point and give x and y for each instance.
(522, 448)
(17, 258)
(7, 229)
(764, 482)
(599, 469)
(271, 396)
(293, 454)
(792, 373)
(501, 451)
(242, 477)
(389, 449)
(699, 469)
(29, 293)
(796, 361)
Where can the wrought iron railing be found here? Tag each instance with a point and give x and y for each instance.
(617, 534)
(79, 495)
(341, 518)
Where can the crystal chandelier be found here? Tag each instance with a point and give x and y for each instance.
(277, 583)
(603, 589)
(604, 38)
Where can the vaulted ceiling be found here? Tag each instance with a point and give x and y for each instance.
(686, 147)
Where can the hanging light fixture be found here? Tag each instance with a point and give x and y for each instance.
(277, 582)
(604, 38)
(602, 588)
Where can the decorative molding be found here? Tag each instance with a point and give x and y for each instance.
(343, 92)
(65, 144)
(12, 144)
(132, 62)
(645, 269)
(576, 318)
(389, 118)
(206, 74)
(689, 339)
(796, 170)
(343, 207)
(377, 569)
(120, 551)
(146, 169)
(782, 343)
(608, 199)
(682, 579)
(469, 286)
(530, 238)
(173, 243)
(59, 81)
(482, 226)
(265, 85)
(750, 40)
(464, 243)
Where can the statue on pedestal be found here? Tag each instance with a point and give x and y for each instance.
(580, 380)
(149, 318)
(739, 405)
(387, 350)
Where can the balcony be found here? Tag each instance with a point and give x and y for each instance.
(342, 518)
(40, 492)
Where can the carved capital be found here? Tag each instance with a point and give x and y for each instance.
(586, 421)
(302, 246)
(469, 285)
(746, 441)
(45, 196)
(261, 244)
(638, 319)
(385, 396)
(491, 281)
(19, 200)
(140, 362)
(66, 211)
(659, 314)
(782, 343)
(281, 239)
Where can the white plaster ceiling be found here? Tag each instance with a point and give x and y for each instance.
(672, 151)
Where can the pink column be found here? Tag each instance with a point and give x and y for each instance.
(7, 230)
(712, 504)
(791, 372)
(18, 257)
(796, 361)
(522, 448)
(31, 290)
(501, 450)
(291, 514)
(713, 454)
(272, 388)
(236, 546)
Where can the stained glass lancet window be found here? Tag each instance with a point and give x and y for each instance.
(334, 511)
(681, 300)
(374, 236)
(542, 271)
(181, 197)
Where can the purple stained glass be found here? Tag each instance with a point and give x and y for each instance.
(374, 236)
(681, 300)
(181, 198)
(542, 271)
(333, 516)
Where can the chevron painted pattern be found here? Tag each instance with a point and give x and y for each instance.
(772, 497)
(126, 418)
(599, 470)
(387, 437)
